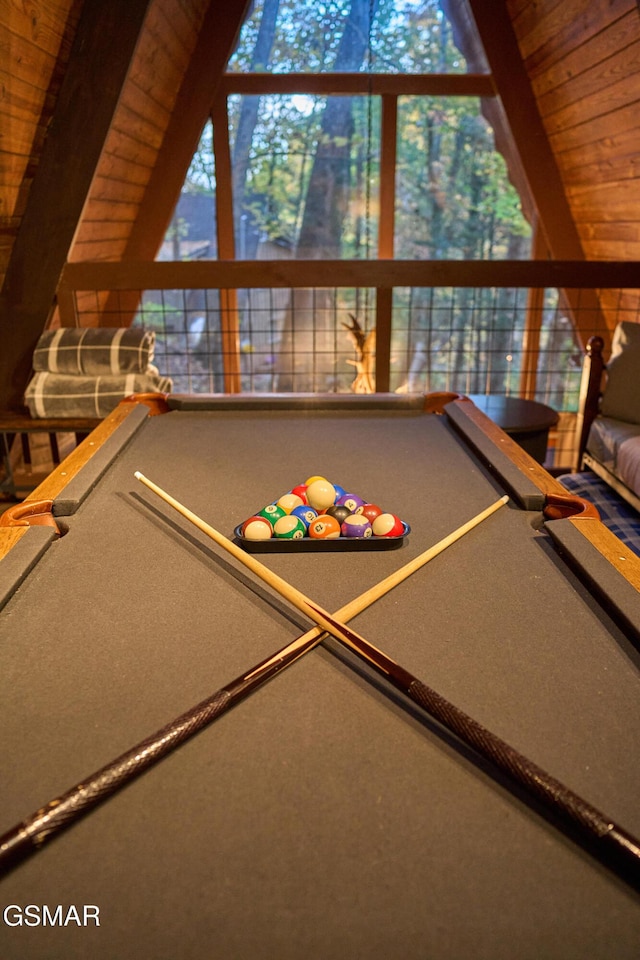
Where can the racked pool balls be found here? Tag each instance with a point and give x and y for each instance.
(289, 528)
(324, 528)
(356, 526)
(257, 528)
(388, 525)
(322, 510)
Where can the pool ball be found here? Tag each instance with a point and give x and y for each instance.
(289, 528)
(350, 501)
(311, 480)
(370, 511)
(271, 512)
(324, 528)
(288, 501)
(340, 513)
(304, 513)
(301, 491)
(340, 491)
(356, 526)
(256, 528)
(321, 494)
(388, 525)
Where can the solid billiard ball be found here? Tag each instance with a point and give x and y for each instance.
(301, 491)
(350, 501)
(321, 494)
(370, 511)
(256, 528)
(340, 491)
(356, 526)
(324, 528)
(340, 513)
(271, 512)
(388, 525)
(289, 528)
(304, 513)
(288, 501)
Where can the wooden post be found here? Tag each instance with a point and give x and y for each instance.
(229, 319)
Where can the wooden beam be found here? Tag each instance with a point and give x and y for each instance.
(350, 84)
(229, 319)
(532, 329)
(192, 109)
(105, 39)
(580, 275)
(388, 150)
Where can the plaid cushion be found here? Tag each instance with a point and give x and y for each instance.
(59, 395)
(616, 514)
(94, 350)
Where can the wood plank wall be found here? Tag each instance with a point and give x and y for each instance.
(131, 150)
(35, 42)
(583, 59)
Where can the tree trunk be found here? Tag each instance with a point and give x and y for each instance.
(306, 360)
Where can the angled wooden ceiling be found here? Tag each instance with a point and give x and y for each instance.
(103, 105)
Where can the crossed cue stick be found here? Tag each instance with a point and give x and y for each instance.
(31, 834)
(612, 842)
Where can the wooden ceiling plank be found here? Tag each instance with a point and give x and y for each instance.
(597, 103)
(622, 66)
(216, 40)
(536, 157)
(552, 35)
(600, 129)
(383, 84)
(575, 62)
(87, 101)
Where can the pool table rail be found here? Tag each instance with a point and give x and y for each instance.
(530, 485)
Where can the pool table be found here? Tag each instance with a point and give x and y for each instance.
(325, 815)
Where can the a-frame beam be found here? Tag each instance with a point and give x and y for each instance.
(216, 42)
(100, 56)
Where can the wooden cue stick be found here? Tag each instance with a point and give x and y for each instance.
(32, 833)
(611, 840)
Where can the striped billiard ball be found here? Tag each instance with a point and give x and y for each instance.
(388, 525)
(289, 528)
(324, 528)
(304, 513)
(356, 526)
(256, 528)
(271, 512)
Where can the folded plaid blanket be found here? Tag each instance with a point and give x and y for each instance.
(94, 350)
(60, 395)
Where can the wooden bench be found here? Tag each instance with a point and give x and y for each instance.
(17, 483)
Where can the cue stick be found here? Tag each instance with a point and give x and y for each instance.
(31, 834)
(611, 840)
